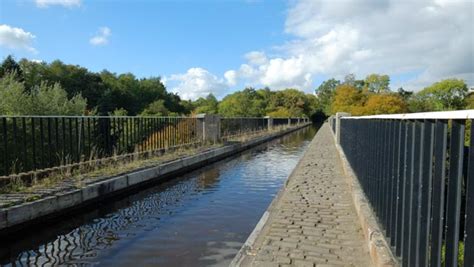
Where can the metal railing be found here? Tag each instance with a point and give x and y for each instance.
(39, 143)
(238, 126)
(418, 176)
(29, 143)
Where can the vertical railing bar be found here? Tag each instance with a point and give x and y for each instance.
(469, 220)
(416, 193)
(425, 198)
(454, 192)
(408, 193)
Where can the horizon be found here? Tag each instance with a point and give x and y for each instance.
(222, 47)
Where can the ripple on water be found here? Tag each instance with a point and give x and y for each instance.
(201, 218)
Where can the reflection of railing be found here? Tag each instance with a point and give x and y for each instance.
(419, 178)
(31, 143)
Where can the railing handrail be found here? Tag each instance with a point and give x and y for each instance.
(456, 114)
(137, 116)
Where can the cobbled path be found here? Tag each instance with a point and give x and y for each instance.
(313, 221)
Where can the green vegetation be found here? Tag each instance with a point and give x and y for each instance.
(32, 88)
(373, 96)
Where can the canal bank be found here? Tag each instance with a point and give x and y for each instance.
(201, 218)
(20, 216)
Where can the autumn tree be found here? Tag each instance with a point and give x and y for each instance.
(348, 98)
(384, 104)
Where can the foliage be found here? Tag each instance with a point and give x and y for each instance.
(41, 100)
(447, 94)
(377, 83)
(156, 108)
(208, 105)
(325, 93)
(241, 104)
(384, 104)
(348, 99)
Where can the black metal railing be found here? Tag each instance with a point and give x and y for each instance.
(280, 121)
(238, 126)
(418, 177)
(31, 143)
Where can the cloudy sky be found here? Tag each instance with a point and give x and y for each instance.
(199, 47)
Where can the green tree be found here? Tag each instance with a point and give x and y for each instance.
(377, 83)
(449, 94)
(156, 108)
(208, 105)
(9, 65)
(325, 93)
(42, 100)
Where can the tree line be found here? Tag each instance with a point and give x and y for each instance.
(38, 88)
(372, 95)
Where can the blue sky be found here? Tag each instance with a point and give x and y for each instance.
(207, 46)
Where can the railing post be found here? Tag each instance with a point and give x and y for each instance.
(269, 122)
(208, 126)
(339, 115)
(289, 121)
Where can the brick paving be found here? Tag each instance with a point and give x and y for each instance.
(313, 221)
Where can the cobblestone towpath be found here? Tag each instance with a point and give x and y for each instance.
(312, 221)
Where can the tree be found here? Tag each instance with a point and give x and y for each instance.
(9, 65)
(325, 93)
(241, 104)
(405, 95)
(350, 79)
(156, 108)
(208, 105)
(42, 100)
(384, 104)
(449, 94)
(377, 83)
(348, 99)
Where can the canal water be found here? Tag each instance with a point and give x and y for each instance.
(198, 219)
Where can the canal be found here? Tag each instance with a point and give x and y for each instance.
(198, 219)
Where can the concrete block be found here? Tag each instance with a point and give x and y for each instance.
(18, 214)
(171, 167)
(69, 199)
(138, 177)
(90, 192)
(119, 183)
(43, 207)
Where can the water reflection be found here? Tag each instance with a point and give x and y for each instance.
(201, 218)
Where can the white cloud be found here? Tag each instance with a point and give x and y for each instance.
(102, 36)
(197, 82)
(434, 38)
(16, 38)
(256, 57)
(65, 3)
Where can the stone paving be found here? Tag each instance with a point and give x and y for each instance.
(313, 221)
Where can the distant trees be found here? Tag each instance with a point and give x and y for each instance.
(325, 93)
(105, 92)
(40, 100)
(30, 87)
(449, 94)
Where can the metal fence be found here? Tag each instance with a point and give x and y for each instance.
(39, 142)
(238, 126)
(31, 143)
(417, 173)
